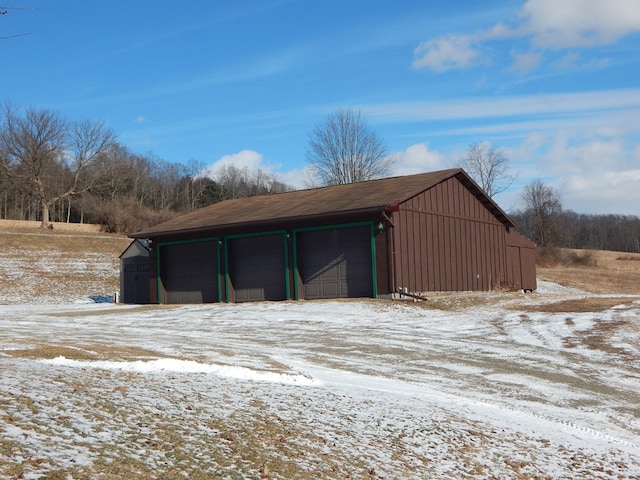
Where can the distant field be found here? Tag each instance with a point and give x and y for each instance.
(22, 225)
(605, 272)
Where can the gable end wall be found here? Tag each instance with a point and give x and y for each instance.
(446, 240)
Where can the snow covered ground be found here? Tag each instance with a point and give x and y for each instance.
(509, 387)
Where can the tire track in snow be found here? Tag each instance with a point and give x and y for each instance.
(444, 399)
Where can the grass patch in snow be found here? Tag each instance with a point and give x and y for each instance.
(583, 304)
(83, 352)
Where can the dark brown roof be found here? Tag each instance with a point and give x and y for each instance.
(301, 204)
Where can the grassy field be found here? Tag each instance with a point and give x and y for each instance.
(57, 265)
(345, 389)
(598, 271)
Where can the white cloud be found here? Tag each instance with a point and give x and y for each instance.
(140, 119)
(596, 155)
(593, 174)
(298, 177)
(244, 159)
(445, 53)
(602, 193)
(580, 23)
(546, 25)
(416, 159)
(252, 160)
(499, 31)
(576, 153)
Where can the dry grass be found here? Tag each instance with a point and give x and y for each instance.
(84, 352)
(34, 226)
(581, 305)
(51, 264)
(260, 440)
(605, 273)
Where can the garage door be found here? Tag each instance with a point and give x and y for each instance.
(257, 270)
(189, 272)
(335, 263)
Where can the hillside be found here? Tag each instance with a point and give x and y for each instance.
(65, 265)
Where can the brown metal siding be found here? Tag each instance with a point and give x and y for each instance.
(521, 262)
(529, 280)
(449, 241)
(514, 270)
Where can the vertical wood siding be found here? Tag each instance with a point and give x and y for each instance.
(447, 240)
(521, 261)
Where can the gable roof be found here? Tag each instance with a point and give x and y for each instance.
(139, 246)
(361, 197)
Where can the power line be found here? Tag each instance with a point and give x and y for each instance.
(4, 10)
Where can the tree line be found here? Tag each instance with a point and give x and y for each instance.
(568, 229)
(53, 169)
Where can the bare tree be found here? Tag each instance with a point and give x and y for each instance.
(542, 212)
(49, 156)
(234, 182)
(33, 147)
(344, 149)
(489, 167)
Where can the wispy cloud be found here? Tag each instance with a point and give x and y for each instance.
(518, 106)
(544, 25)
(525, 62)
(445, 53)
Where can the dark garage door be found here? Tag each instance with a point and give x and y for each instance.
(336, 263)
(189, 272)
(257, 268)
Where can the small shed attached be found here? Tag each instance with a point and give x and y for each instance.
(134, 272)
(423, 233)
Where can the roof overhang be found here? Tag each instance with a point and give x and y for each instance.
(276, 223)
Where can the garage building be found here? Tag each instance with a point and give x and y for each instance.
(421, 233)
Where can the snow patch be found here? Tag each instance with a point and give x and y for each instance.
(189, 366)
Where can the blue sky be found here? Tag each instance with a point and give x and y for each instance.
(556, 84)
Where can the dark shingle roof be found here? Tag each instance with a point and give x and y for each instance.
(362, 196)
